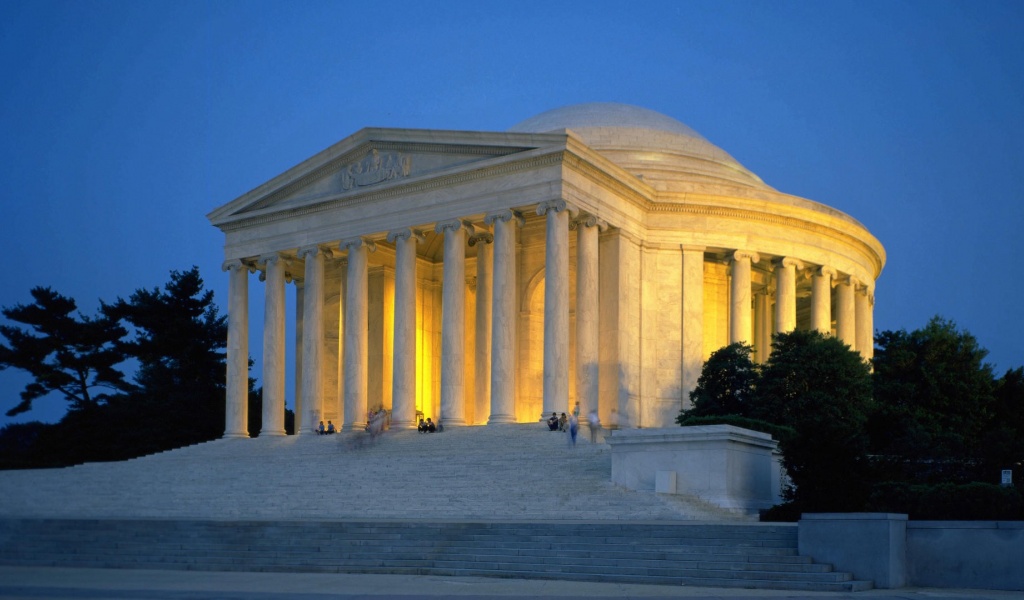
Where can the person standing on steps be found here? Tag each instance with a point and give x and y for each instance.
(594, 422)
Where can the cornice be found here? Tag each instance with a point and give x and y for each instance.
(773, 219)
(413, 187)
(337, 163)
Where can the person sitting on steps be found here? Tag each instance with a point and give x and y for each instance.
(553, 422)
(422, 427)
(330, 428)
(320, 429)
(563, 422)
(431, 428)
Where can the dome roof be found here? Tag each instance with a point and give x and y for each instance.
(657, 148)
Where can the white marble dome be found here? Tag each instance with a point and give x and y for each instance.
(665, 153)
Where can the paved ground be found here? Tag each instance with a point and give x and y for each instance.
(60, 584)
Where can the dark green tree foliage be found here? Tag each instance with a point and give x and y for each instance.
(1003, 443)
(934, 394)
(179, 342)
(64, 351)
(725, 386)
(822, 389)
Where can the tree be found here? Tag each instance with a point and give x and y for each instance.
(179, 340)
(934, 393)
(65, 352)
(725, 385)
(822, 389)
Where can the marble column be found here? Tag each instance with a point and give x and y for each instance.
(483, 241)
(740, 297)
(821, 299)
(693, 318)
(300, 302)
(403, 375)
(312, 337)
(556, 306)
(356, 345)
(453, 323)
(845, 312)
(503, 316)
(865, 333)
(273, 346)
(587, 327)
(785, 295)
(237, 384)
(762, 325)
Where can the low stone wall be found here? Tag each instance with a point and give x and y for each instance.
(894, 552)
(731, 467)
(966, 554)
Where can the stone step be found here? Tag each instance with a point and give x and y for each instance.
(509, 501)
(605, 552)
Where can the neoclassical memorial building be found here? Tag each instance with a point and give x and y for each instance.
(595, 253)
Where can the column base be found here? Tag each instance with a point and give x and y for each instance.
(230, 436)
(404, 424)
(279, 433)
(501, 420)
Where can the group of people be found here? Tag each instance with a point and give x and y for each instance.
(325, 431)
(429, 426)
(571, 424)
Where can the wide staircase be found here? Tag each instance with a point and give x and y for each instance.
(508, 501)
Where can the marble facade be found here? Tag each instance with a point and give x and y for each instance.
(595, 253)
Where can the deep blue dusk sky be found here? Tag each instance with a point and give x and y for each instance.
(122, 124)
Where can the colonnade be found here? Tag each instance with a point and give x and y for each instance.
(854, 323)
(496, 315)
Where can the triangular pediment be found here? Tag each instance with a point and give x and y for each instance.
(374, 159)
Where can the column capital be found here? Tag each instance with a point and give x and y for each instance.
(558, 206)
(505, 216)
(588, 220)
(405, 234)
(481, 237)
(826, 271)
(452, 225)
(843, 279)
(750, 255)
(238, 263)
(788, 261)
(312, 251)
(355, 243)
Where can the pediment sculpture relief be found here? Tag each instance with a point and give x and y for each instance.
(375, 167)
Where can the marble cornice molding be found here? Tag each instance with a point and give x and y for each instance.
(615, 185)
(337, 163)
(704, 210)
(335, 200)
